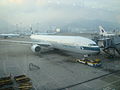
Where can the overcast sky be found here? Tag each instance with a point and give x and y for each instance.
(33, 11)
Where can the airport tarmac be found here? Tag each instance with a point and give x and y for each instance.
(57, 71)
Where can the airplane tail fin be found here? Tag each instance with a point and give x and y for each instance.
(102, 31)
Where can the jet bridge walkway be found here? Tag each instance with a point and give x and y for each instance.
(110, 45)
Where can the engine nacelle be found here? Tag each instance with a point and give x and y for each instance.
(36, 48)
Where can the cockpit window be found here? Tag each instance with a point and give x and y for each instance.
(92, 44)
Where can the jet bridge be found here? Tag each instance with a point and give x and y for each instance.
(110, 45)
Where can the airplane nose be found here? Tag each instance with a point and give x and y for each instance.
(97, 50)
(93, 50)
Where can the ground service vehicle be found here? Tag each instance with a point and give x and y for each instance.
(93, 63)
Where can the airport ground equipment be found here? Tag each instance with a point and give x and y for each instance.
(5, 81)
(93, 63)
(21, 79)
(9, 88)
(21, 82)
(25, 86)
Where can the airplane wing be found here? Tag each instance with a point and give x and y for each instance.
(27, 42)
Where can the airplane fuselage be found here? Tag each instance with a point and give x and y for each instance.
(69, 43)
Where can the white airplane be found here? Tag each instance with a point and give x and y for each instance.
(9, 35)
(104, 33)
(75, 44)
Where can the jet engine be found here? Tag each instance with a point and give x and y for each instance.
(36, 48)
